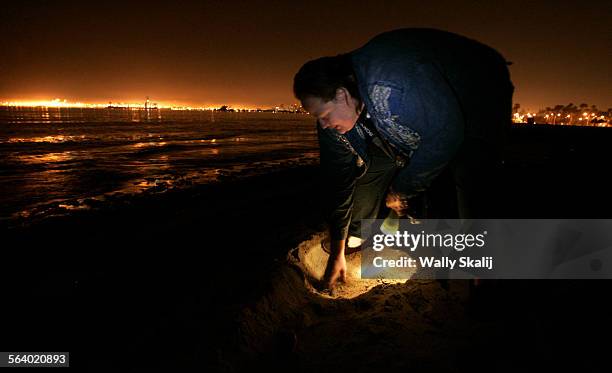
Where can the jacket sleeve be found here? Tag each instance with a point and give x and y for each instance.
(340, 174)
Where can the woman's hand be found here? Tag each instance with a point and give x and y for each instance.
(398, 202)
(335, 270)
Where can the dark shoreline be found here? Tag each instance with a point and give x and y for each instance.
(167, 275)
(236, 209)
(206, 245)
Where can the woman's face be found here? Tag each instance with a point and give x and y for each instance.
(340, 113)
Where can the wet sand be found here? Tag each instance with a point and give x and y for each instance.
(204, 280)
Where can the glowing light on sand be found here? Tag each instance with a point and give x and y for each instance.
(310, 257)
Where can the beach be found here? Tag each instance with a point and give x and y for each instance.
(210, 278)
(174, 177)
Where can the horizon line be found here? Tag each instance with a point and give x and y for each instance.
(159, 104)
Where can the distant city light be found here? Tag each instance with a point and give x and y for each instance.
(145, 104)
(564, 116)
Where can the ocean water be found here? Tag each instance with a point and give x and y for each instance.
(56, 160)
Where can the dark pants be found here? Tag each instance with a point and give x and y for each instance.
(468, 188)
(371, 189)
(476, 175)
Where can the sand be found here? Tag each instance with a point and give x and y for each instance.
(402, 320)
(223, 278)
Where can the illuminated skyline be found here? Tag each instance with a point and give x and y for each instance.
(63, 103)
(208, 54)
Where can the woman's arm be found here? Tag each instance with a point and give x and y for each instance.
(340, 173)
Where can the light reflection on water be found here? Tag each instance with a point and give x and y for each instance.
(148, 144)
(44, 158)
(88, 155)
(49, 139)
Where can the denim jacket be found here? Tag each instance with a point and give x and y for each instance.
(415, 84)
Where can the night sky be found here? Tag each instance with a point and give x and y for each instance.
(246, 52)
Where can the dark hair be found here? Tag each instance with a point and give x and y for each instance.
(323, 76)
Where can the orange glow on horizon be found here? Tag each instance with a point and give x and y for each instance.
(129, 104)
